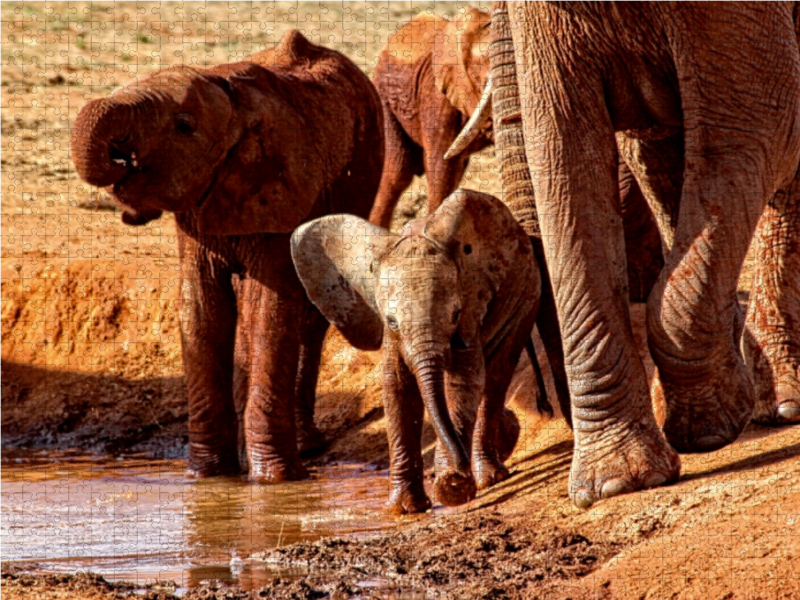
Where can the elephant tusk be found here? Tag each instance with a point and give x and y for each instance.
(475, 123)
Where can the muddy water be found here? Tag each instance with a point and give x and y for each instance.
(139, 520)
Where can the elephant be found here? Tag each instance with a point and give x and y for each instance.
(430, 77)
(451, 300)
(242, 154)
(701, 100)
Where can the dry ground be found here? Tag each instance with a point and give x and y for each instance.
(91, 354)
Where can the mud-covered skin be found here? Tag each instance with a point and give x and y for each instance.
(452, 301)
(742, 145)
(242, 154)
(429, 76)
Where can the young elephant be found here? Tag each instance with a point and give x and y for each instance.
(242, 154)
(453, 299)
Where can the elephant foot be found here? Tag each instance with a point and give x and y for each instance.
(781, 404)
(208, 463)
(275, 470)
(408, 499)
(710, 415)
(310, 441)
(453, 488)
(619, 461)
(507, 434)
(776, 373)
(489, 472)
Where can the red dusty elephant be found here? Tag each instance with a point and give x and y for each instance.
(242, 154)
(702, 101)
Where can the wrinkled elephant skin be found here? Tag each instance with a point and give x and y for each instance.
(701, 100)
(242, 154)
(452, 301)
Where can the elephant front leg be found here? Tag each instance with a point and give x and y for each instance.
(572, 153)
(274, 317)
(208, 334)
(404, 414)
(772, 338)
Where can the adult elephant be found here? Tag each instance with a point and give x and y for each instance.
(242, 153)
(702, 100)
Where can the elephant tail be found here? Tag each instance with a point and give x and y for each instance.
(542, 405)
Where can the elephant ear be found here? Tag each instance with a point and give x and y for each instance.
(334, 258)
(461, 59)
(266, 184)
(477, 230)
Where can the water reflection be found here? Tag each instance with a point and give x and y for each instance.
(141, 520)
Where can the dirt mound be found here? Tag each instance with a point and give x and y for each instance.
(92, 359)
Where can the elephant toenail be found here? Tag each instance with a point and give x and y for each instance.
(654, 479)
(615, 487)
(709, 443)
(584, 499)
(789, 411)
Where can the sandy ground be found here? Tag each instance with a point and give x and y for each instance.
(91, 355)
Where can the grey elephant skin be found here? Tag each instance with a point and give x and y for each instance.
(711, 133)
(452, 300)
(242, 154)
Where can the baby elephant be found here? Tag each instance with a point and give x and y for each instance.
(452, 300)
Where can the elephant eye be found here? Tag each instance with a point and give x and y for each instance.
(392, 322)
(456, 315)
(184, 124)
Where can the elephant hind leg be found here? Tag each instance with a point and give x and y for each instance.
(772, 337)
(310, 440)
(497, 428)
(642, 240)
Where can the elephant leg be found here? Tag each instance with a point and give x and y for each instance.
(440, 126)
(404, 414)
(208, 336)
(241, 366)
(276, 314)
(572, 154)
(311, 441)
(642, 240)
(550, 332)
(772, 338)
(657, 166)
(731, 172)
(403, 160)
(497, 428)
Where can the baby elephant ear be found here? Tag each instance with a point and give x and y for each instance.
(333, 257)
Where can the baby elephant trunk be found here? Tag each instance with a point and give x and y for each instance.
(454, 483)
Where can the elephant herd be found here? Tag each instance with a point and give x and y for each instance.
(642, 148)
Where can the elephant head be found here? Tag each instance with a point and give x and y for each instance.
(225, 142)
(460, 59)
(425, 290)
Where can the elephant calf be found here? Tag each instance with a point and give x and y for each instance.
(452, 300)
(242, 153)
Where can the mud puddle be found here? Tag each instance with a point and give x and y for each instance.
(142, 520)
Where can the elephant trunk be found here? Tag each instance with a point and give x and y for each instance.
(101, 144)
(454, 482)
(518, 193)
